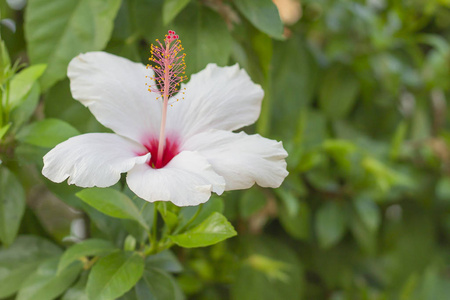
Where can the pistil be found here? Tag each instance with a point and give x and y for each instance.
(169, 73)
(162, 131)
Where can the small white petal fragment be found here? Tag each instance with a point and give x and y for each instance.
(113, 88)
(188, 179)
(216, 98)
(93, 159)
(242, 159)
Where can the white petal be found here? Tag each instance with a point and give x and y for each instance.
(215, 98)
(242, 159)
(114, 90)
(93, 159)
(188, 179)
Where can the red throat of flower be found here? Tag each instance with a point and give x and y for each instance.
(171, 149)
(169, 68)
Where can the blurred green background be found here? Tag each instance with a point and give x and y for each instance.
(356, 90)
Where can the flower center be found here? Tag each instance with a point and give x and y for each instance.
(171, 149)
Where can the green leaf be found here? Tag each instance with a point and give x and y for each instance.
(30, 154)
(171, 8)
(68, 28)
(113, 275)
(45, 284)
(263, 14)
(112, 203)
(294, 69)
(78, 290)
(148, 18)
(338, 91)
(169, 217)
(398, 139)
(157, 284)
(213, 230)
(252, 201)
(214, 204)
(12, 205)
(295, 215)
(46, 133)
(11, 280)
(365, 237)
(331, 222)
(5, 61)
(91, 247)
(369, 213)
(27, 248)
(205, 36)
(442, 189)
(22, 83)
(4, 130)
(22, 112)
(341, 151)
(164, 260)
(60, 104)
(271, 270)
(385, 176)
(19, 260)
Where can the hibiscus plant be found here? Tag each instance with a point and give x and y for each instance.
(174, 141)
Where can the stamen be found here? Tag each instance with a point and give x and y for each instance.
(168, 61)
(169, 71)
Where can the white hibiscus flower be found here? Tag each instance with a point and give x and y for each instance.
(201, 154)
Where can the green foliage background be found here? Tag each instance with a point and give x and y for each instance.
(356, 90)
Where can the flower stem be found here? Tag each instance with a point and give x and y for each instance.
(199, 209)
(155, 224)
(89, 263)
(162, 132)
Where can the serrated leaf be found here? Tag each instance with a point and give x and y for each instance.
(91, 247)
(46, 133)
(68, 28)
(213, 230)
(263, 14)
(12, 205)
(22, 83)
(171, 8)
(330, 224)
(45, 284)
(112, 203)
(115, 274)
